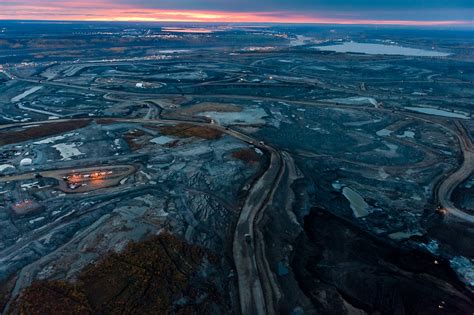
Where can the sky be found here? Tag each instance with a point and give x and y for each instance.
(396, 12)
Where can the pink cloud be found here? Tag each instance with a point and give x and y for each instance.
(103, 10)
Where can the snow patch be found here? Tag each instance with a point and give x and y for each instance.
(4, 167)
(67, 151)
(250, 116)
(162, 140)
(25, 94)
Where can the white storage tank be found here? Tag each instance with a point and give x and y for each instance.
(26, 162)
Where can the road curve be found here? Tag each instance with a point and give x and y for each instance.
(252, 298)
(253, 295)
(446, 188)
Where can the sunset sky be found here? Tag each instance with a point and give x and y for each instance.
(400, 12)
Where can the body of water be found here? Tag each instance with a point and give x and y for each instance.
(380, 49)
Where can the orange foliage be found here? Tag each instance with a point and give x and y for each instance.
(188, 130)
(45, 130)
(52, 297)
(146, 278)
(246, 155)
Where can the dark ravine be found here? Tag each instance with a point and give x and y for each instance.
(337, 264)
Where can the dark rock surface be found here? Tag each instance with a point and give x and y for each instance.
(337, 264)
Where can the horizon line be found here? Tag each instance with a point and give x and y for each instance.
(323, 21)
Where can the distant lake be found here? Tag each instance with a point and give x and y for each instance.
(187, 30)
(380, 49)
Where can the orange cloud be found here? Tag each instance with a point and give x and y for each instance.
(100, 10)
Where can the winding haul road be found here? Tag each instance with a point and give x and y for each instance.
(251, 292)
(446, 188)
(253, 298)
(257, 290)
